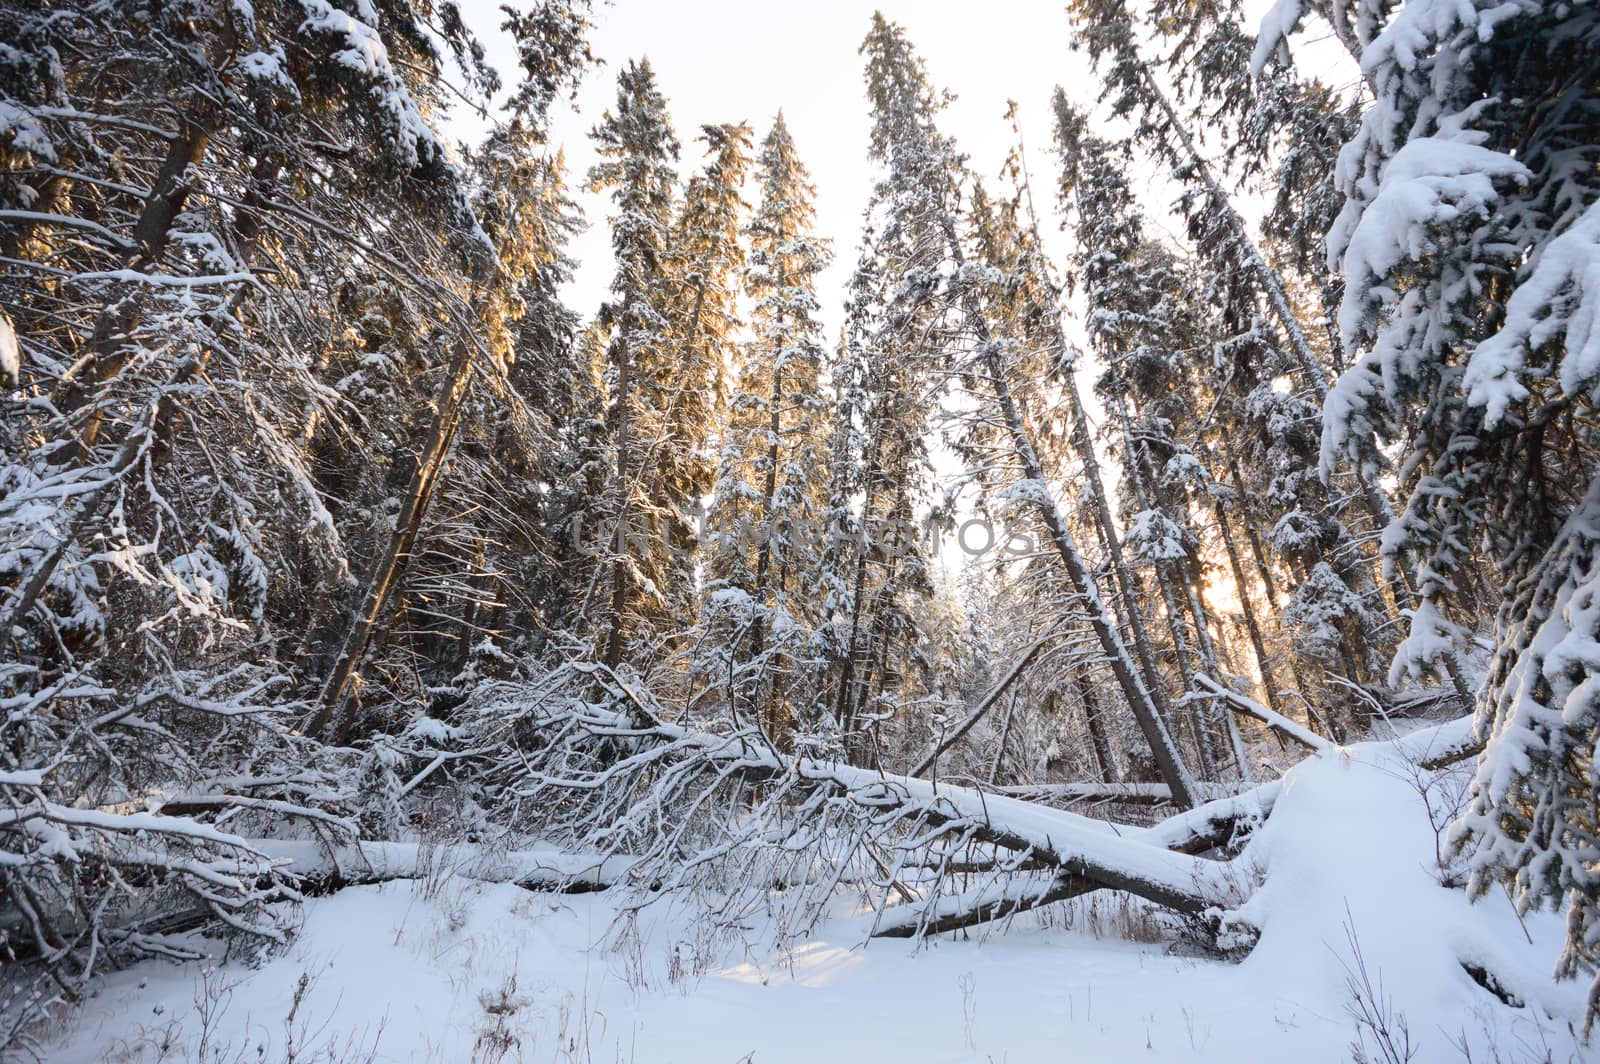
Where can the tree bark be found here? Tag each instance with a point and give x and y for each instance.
(616, 632)
(769, 490)
(1094, 716)
(408, 522)
(1269, 682)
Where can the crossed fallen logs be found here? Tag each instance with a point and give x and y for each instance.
(733, 815)
(618, 797)
(671, 807)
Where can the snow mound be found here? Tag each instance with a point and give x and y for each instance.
(1352, 893)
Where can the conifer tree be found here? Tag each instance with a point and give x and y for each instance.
(553, 52)
(1268, 370)
(1468, 238)
(765, 548)
(701, 326)
(1024, 309)
(239, 260)
(924, 176)
(1144, 328)
(638, 152)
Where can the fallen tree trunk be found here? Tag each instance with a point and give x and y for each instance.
(1279, 724)
(956, 912)
(1125, 793)
(321, 869)
(757, 830)
(1193, 831)
(731, 814)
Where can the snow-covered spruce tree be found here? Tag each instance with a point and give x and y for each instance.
(174, 177)
(841, 566)
(1288, 141)
(1023, 307)
(1469, 241)
(924, 175)
(1270, 373)
(764, 544)
(1284, 130)
(1109, 33)
(638, 152)
(420, 553)
(1030, 293)
(579, 466)
(875, 563)
(489, 556)
(889, 378)
(1145, 329)
(703, 262)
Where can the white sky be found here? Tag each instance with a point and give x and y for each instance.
(729, 61)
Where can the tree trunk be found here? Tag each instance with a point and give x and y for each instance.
(1137, 462)
(152, 232)
(1083, 443)
(1140, 700)
(1098, 739)
(955, 734)
(616, 630)
(1258, 644)
(386, 574)
(769, 490)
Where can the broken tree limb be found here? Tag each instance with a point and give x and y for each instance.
(993, 901)
(1442, 745)
(1192, 831)
(1276, 721)
(960, 730)
(1217, 823)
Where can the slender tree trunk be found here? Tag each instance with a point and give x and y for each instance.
(408, 522)
(616, 627)
(1099, 740)
(109, 347)
(1258, 644)
(1005, 737)
(1139, 697)
(847, 668)
(954, 735)
(1139, 473)
(1263, 572)
(1083, 443)
(769, 491)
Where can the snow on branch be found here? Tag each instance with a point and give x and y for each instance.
(730, 816)
(1276, 721)
(1559, 298)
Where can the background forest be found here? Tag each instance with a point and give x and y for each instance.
(326, 524)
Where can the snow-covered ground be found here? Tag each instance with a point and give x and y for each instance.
(451, 969)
